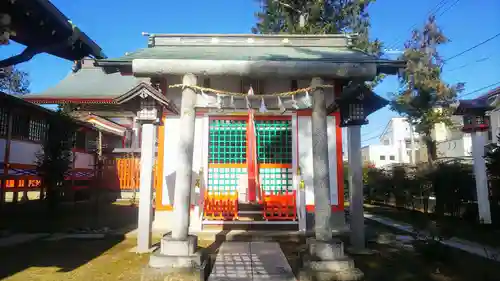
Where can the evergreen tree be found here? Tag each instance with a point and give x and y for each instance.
(321, 17)
(14, 81)
(425, 99)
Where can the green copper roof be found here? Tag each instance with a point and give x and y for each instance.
(247, 53)
(88, 83)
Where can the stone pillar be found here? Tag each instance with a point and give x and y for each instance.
(146, 186)
(478, 143)
(356, 188)
(321, 177)
(184, 172)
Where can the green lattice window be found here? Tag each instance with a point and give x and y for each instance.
(227, 143)
(276, 180)
(274, 141)
(224, 179)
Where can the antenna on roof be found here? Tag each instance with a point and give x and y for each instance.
(145, 33)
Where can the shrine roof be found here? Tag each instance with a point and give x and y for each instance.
(249, 53)
(336, 48)
(90, 84)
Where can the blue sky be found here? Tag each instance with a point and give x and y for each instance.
(117, 25)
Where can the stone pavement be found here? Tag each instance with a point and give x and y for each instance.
(245, 261)
(461, 244)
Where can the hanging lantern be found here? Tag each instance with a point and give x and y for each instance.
(356, 103)
(149, 109)
(352, 113)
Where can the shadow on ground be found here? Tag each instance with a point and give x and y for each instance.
(68, 254)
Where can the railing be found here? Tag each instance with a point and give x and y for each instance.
(280, 206)
(220, 206)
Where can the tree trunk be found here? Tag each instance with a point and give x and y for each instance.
(431, 148)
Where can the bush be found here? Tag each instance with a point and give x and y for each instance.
(451, 182)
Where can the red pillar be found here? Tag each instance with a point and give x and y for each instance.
(251, 158)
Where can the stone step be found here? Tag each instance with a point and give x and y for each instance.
(250, 207)
(250, 225)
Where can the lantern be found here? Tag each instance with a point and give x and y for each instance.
(475, 123)
(474, 115)
(149, 109)
(356, 102)
(352, 113)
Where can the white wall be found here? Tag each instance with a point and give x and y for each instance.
(22, 152)
(373, 154)
(2, 149)
(461, 147)
(495, 125)
(84, 160)
(306, 158)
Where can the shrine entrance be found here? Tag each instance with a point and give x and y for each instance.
(250, 175)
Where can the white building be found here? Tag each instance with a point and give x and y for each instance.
(379, 155)
(395, 144)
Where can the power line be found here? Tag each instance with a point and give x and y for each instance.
(432, 11)
(469, 63)
(480, 89)
(374, 131)
(473, 47)
(374, 137)
(449, 8)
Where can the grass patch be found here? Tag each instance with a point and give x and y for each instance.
(483, 234)
(69, 259)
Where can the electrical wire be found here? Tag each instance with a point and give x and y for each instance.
(473, 47)
(432, 11)
(480, 89)
(449, 8)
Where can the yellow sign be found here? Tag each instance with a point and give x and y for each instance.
(302, 184)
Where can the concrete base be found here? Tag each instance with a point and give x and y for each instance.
(177, 254)
(326, 261)
(325, 250)
(175, 273)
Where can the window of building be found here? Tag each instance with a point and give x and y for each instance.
(382, 157)
(392, 157)
(80, 140)
(37, 130)
(20, 126)
(4, 119)
(386, 142)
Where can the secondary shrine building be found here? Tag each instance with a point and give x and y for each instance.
(252, 158)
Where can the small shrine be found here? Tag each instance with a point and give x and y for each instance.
(233, 130)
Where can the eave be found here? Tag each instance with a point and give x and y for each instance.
(69, 101)
(41, 27)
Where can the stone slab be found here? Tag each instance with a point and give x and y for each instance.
(257, 260)
(21, 238)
